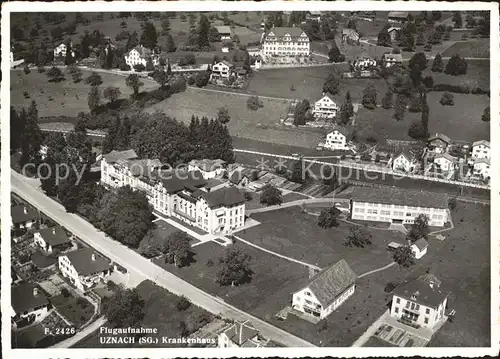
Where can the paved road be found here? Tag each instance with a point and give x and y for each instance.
(131, 260)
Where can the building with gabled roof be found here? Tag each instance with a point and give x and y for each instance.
(224, 32)
(337, 138)
(399, 16)
(481, 168)
(84, 268)
(23, 216)
(445, 161)
(140, 55)
(325, 291)
(481, 149)
(325, 107)
(419, 302)
(438, 143)
(419, 247)
(28, 304)
(207, 167)
(239, 179)
(286, 41)
(389, 59)
(350, 35)
(241, 335)
(52, 239)
(405, 161)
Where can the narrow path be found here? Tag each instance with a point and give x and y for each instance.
(452, 225)
(298, 202)
(68, 343)
(278, 255)
(227, 92)
(377, 270)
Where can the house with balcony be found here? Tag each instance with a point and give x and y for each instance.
(404, 161)
(325, 107)
(390, 60)
(84, 268)
(337, 139)
(52, 239)
(222, 70)
(286, 42)
(420, 302)
(445, 162)
(23, 217)
(111, 170)
(141, 55)
(481, 149)
(28, 305)
(61, 49)
(438, 143)
(325, 291)
(397, 205)
(481, 168)
(208, 168)
(241, 335)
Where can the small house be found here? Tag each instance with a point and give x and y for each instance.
(444, 161)
(390, 60)
(481, 149)
(350, 36)
(438, 143)
(29, 305)
(419, 248)
(337, 138)
(224, 32)
(481, 168)
(240, 335)
(325, 107)
(399, 16)
(23, 217)
(239, 179)
(405, 161)
(207, 168)
(52, 239)
(393, 32)
(222, 70)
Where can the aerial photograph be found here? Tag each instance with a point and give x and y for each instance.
(250, 179)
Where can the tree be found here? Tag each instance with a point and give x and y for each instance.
(69, 59)
(125, 308)
(94, 79)
(26, 69)
(358, 236)
(404, 256)
(234, 267)
(161, 77)
(452, 203)
(456, 65)
(387, 99)
(270, 195)
(428, 82)
(223, 115)
(417, 131)
(418, 61)
(457, 19)
(134, 83)
(201, 79)
(332, 84)
(447, 99)
(56, 33)
(112, 93)
(149, 37)
(170, 44)
(254, 103)
(55, 74)
(437, 64)
(370, 97)
(384, 38)
(75, 73)
(94, 98)
(133, 41)
(486, 115)
(178, 249)
(165, 25)
(299, 113)
(334, 54)
(419, 228)
(203, 31)
(420, 39)
(183, 303)
(328, 217)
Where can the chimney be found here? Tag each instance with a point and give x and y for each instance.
(93, 256)
(35, 292)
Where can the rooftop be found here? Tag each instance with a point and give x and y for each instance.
(206, 164)
(394, 57)
(341, 129)
(23, 213)
(481, 142)
(223, 29)
(241, 332)
(482, 160)
(399, 14)
(421, 244)
(228, 196)
(237, 176)
(440, 136)
(401, 197)
(422, 291)
(142, 167)
(348, 31)
(114, 156)
(332, 281)
(54, 236)
(179, 179)
(26, 297)
(87, 261)
(282, 31)
(446, 156)
(406, 153)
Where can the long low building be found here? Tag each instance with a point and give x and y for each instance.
(209, 204)
(396, 205)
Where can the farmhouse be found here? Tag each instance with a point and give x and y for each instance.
(325, 107)
(240, 335)
(389, 60)
(394, 205)
(419, 302)
(326, 291)
(140, 55)
(438, 143)
(404, 161)
(399, 16)
(84, 268)
(350, 36)
(60, 51)
(393, 32)
(224, 32)
(222, 70)
(52, 239)
(481, 149)
(239, 179)
(445, 162)
(29, 305)
(313, 16)
(481, 168)
(286, 41)
(337, 139)
(207, 168)
(419, 247)
(23, 217)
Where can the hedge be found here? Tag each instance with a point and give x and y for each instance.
(460, 89)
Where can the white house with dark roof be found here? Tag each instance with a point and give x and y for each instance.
(29, 305)
(208, 168)
(140, 55)
(325, 107)
(398, 16)
(224, 32)
(445, 161)
(112, 172)
(481, 168)
(419, 248)
(222, 70)
(350, 36)
(240, 335)
(404, 161)
(52, 239)
(325, 291)
(336, 139)
(393, 32)
(420, 302)
(389, 60)
(438, 143)
(84, 268)
(286, 41)
(396, 205)
(23, 216)
(481, 149)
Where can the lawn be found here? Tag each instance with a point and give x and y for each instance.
(296, 234)
(68, 98)
(289, 197)
(263, 124)
(160, 313)
(77, 310)
(460, 122)
(478, 71)
(471, 48)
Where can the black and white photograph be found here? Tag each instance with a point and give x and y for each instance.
(249, 178)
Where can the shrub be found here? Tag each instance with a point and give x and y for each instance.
(452, 203)
(26, 69)
(254, 103)
(65, 292)
(182, 304)
(248, 196)
(26, 94)
(190, 81)
(139, 67)
(124, 67)
(428, 82)
(389, 287)
(447, 99)
(201, 79)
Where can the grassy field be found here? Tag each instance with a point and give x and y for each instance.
(260, 124)
(460, 122)
(471, 48)
(478, 71)
(160, 313)
(77, 310)
(296, 234)
(68, 98)
(289, 197)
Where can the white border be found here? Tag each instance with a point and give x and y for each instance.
(245, 6)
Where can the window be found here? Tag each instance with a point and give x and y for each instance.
(427, 310)
(398, 300)
(308, 294)
(426, 320)
(396, 310)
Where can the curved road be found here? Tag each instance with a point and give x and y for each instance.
(27, 189)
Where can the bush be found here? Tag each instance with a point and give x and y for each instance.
(124, 67)
(201, 79)
(182, 304)
(428, 82)
(139, 67)
(389, 287)
(26, 69)
(65, 292)
(248, 196)
(451, 88)
(427, 47)
(190, 81)
(26, 94)
(254, 103)
(452, 203)
(447, 99)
